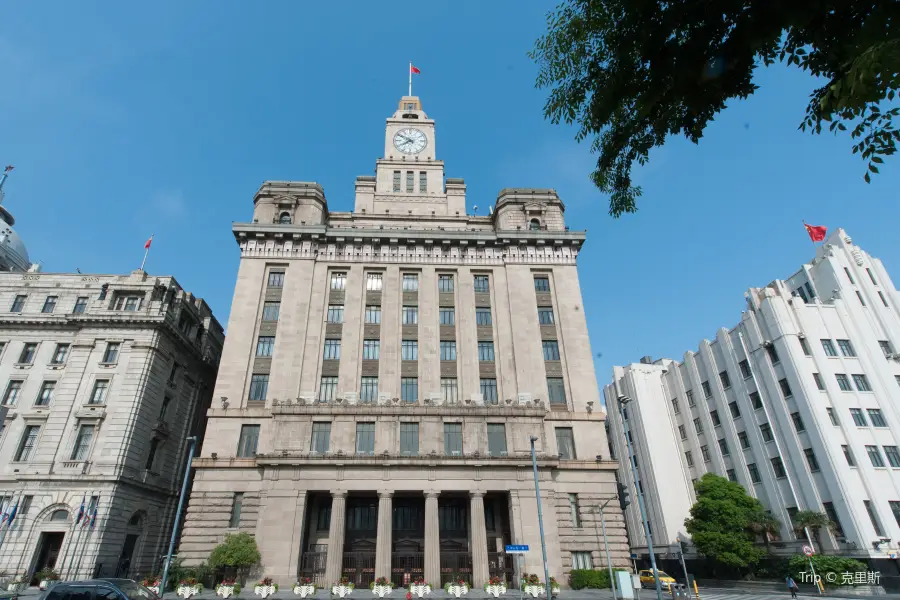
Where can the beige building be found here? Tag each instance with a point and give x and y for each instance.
(383, 373)
(103, 378)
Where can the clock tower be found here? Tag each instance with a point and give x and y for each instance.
(409, 180)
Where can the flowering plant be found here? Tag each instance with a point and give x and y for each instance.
(383, 582)
(266, 581)
(419, 581)
(553, 582)
(189, 582)
(345, 582)
(226, 581)
(496, 581)
(531, 579)
(151, 581)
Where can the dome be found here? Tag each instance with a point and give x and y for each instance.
(13, 254)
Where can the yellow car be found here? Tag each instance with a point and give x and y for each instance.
(647, 580)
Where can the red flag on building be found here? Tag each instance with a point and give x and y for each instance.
(415, 70)
(147, 245)
(8, 168)
(816, 232)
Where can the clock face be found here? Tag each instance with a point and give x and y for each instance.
(409, 141)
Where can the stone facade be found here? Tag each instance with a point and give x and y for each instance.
(104, 378)
(384, 371)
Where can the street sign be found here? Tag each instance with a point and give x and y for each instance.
(519, 549)
(807, 550)
(634, 557)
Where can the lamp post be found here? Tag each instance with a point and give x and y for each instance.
(623, 400)
(537, 495)
(612, 581)
(187, 474)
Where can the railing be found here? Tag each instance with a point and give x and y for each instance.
(309, 403)
(359, 567)
(456, 564)
(560, 259)
(502, 565)
(406, 567)
(312, 565)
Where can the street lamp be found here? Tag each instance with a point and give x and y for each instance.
(537, 495)
(623, 400)
(612, 581)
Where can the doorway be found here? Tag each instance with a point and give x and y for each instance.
(48, 548)
(124, 565)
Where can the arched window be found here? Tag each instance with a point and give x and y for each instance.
(135, 520)
(535, 225)
(285, 218)
(59, 515)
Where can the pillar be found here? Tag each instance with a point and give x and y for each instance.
(384, 542)
(432, 540)
(335, 561)
(479, 540)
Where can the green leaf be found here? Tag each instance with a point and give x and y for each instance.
(877, 159)
(867, 178)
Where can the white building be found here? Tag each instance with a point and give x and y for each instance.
(799, 403)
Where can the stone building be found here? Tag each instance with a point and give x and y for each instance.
(103, 378)
(383, 373)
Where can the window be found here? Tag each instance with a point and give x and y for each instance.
(28, 442)
(897, 379)
(534, 225)
(828, 347)
(754, 472)
(874, 518)
(449, 390)
(164, 408)
(875, 456)
(862, 382)
(482, 286)
(832, 515)
(18, 304)
(27, 355)
(848, 454)
(409, 350)
(483, 316)
(448, 316)
(410, 315)
(682, 432)
(45, 396)
(339, 281)
(374, 282)
(423, 182)
(885, 347)
(743, 439)
(551, 349)
(819, 383)
(805, 347)
(271, 310)
(778, 467)
(773, 354)
(698, 426)
(323, 518)
(83, 442)
(112, 352)
(409, 439)
(151, 455)
(445, 284)
(365, 438)
(675, 408)
(798, 422)
(843, 382)
(859, 419)
(11, 396)
(276, 279)
(704, 450)
(714, 415)
(371, 349)
(893, 456)
(489, 391)
(745, 369)
(725, 379)
(248, 441)
(766, 430)
(735, 411)
(689, 457)
(321, 437)
(541, 284)
(846, 347)
(236, 502)
(409, 181)
(409, 389)
(785, 388)
(285, 218)
(582, 560)
(328, 389)
(486, 351)
(332, 350)
(396, 181)
(448, 350)
(368, 390)
(453, 442)
(98, 394)
(756, 400)
(49, 304)
(565, 443)
(410, 282)
(871, 276)
(723, 446)
(690, 397)
(259, 386)
(833, 416)
(876, 417)
(128, 303)
(557, 390)
(373, 314)
(883, 299)
(80, 305)
(707, 391)
(266, 343)
(496, 433)
(545, 315)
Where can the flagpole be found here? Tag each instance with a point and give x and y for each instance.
(74, 550)
(88, 533)
(410, 78)
(147, 251)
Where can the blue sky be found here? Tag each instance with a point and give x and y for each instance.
(125, 120)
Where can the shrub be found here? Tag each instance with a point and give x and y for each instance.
(580, 579)
(827, 564)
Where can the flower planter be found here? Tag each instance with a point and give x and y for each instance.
(534, 590)
(495, 590)
(419, 590)
(225, 591)
(381, 591)
(186, 591)
(305, 590)
(554, 589)
(46, 584)
(264, 591)
(457, 590)
(154, 589)
(342, 591)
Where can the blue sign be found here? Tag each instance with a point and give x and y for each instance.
(633, 556)
(516, 549)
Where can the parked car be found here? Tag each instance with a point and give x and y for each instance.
(647, 579)
(99, 589)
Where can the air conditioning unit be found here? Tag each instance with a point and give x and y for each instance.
(307, 399)
(478, 399)
(384, 399)
(524, 399)
(504, 453)
(351, 398)
(455, 452)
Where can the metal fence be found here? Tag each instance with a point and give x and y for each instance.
(312, 565)
(359, 567)
(503, 565)
(456, 565)
(406, 567)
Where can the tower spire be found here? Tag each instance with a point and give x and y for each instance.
(3, 179)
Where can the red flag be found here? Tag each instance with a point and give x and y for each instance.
(147, 245)
(8, 168)
(816, 232)
(415, 70)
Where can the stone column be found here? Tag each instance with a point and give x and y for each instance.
(432, 540)
(479, 540)
(384, 542)
(335, 559)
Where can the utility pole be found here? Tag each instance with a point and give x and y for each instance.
(184, 485)
(537, 495)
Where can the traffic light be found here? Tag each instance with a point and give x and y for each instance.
(624, 496)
